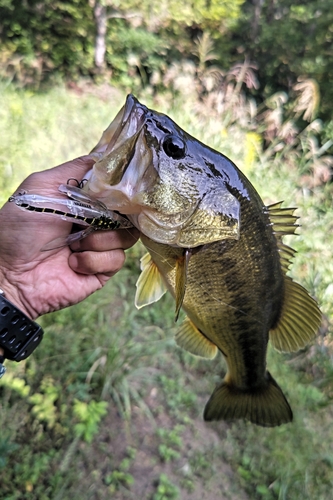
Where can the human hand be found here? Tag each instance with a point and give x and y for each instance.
(41, 282)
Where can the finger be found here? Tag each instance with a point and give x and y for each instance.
(108, 263)
(100, 241)
(48, 181)
(75, 168)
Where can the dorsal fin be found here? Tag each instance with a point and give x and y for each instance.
(299, 321)
(300, 317)
(283, 220)
(286, 255)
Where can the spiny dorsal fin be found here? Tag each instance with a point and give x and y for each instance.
(192, 340)
(300, 316)
(299, 321)
(150, 286)
(286, 255)
(283, 220)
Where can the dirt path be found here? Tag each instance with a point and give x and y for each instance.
(158, 459)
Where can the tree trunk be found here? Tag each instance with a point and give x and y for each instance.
(101, 19)
(258, 4)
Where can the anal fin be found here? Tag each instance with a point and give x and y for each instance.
(150, 286)
(299, 321)
(192, 340)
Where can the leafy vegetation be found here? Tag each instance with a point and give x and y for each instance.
(137, 42)
(108, 406)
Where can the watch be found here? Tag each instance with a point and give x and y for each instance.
(19, 335)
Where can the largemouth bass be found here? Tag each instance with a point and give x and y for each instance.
(216, 247)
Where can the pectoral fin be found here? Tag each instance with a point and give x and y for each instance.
(299, 321)
(150, 286)
(192, 340)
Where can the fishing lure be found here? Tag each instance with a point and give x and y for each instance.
(80, 208)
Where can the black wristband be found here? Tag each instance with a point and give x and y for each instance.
(19, 335)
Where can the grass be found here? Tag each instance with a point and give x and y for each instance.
(41, 130)
(108, 406)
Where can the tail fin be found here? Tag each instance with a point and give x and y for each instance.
(265, 406)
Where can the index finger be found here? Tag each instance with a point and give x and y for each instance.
(100, 241)
(46, 182)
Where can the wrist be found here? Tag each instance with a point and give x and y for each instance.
(12, 293)
(14, 298)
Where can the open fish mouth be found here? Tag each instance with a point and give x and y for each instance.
(122, 145)
(126, 125)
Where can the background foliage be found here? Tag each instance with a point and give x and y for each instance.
(108, 406)
(137, 43)
(287, 38)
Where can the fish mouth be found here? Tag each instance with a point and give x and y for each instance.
(126, 125)
(122, 145)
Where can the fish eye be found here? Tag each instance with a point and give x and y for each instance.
(174, 147)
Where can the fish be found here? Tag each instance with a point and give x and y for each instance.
(215, 246)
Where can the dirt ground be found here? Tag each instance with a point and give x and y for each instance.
(199, 471)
